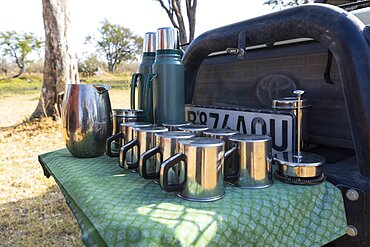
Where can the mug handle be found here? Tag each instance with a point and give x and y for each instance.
(59, 102)
(132, 88)
(227, 155)
(108, 146)
(143, 160)
(165, 167)
(123, 152)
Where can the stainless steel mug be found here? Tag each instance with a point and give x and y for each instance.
(224, 134)
(197, 130)
(86, 119)
(124, 137)
(202, 161)
(167, 145)
(174, 126)
(144, 139)
(253, 158)
(121, 116)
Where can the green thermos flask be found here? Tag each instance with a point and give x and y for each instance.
(145, 69)
(168, 79)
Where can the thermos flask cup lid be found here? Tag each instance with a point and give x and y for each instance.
(149, 42)
(167, 38)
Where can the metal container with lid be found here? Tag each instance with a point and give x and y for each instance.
(202, 161)
(113, 143)
(253, 157)
(166, 145)
(167, 81)
(126, 115)
(290, 104)
(197, 130)
(224, 134)
(299, 167)
(144, 139)
(167, 38)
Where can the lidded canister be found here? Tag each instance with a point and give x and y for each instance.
(168, 82)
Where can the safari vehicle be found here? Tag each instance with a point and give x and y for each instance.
(233, 73)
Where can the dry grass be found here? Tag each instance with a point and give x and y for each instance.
(33, 211)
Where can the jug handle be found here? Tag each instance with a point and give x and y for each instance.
(100, 88)
(133, 85)
(148, 98)
(166, 166)
(110, 139)
(143, 160)
(227, 156)
(123, 152)
(59, 101)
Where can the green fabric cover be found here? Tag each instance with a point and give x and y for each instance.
(127, 210)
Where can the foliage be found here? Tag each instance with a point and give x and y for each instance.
(90, 65)
(174, 12)
(18, 46)
(116, 43)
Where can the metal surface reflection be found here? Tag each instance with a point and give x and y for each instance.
(86, 119)
(202, 161)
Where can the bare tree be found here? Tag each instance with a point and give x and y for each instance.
(18, 46)
(60, 65)
(174, 12)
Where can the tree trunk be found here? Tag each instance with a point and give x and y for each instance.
(191, 8)
(60, 66)
(111, 68)
(176, 6)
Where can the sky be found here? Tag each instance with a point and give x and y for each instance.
(140, 16)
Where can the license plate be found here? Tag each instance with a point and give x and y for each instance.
(277, 125)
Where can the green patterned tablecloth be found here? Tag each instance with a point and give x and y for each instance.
(117, 208)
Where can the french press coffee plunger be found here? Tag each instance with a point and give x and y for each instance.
(299, 167)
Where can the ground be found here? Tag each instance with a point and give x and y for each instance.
(33, 211)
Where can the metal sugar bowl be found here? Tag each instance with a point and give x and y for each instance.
(298, 167)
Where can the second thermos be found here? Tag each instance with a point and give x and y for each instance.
(168, 81)
(145, 69)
